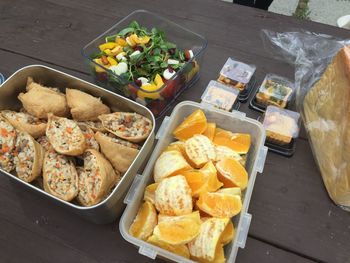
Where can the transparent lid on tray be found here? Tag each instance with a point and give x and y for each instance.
(281, 122)
(220, 95)
(275, 90)
(236, 73)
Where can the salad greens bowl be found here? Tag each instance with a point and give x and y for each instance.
(146, 58)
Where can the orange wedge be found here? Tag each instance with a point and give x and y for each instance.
(150, 191)
(200, 150)
(174, 196)
(169, 163)
(177, 146)
(196, 123)
(220, 205)
(203, 180)
(239, 142)
(230, 191)
(210, 172)
(178, 230)
(144, 222)
(196, 180)
(219, 256)
(228, 234)
(204, 247)
(232, 173)
(181, 250)
(210, 131)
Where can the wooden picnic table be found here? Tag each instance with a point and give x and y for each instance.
(293, 218)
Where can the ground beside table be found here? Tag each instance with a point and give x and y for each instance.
(293, 218)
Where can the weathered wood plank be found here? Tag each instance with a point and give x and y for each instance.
(291, 208)
(257, 251)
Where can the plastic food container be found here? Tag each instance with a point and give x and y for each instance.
(107, 210)
(238, 75)
(159, 100)
(221, 96)
(274, 90)
(282, 127)
(236, 122)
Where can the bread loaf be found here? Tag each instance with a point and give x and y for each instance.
(326, 110)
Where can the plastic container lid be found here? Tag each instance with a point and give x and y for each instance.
(220, 95)
(236, 73)
(2, 79)
(275, 90)
(281, 122)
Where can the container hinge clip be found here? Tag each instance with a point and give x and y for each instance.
(163, 127)
(130, 195)
(261, 159)
(243, 231)
(148, 252)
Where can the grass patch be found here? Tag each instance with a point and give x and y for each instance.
(302, 11)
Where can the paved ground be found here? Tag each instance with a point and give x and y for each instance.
(323, 11)
(285, 7)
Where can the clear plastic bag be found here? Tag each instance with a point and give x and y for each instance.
(322, 82)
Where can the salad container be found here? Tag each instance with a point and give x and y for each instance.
(108, 209)
(240, 76)
(139, 55)
(282, 128)
(221, 96)
(234, 121)
(274, 90)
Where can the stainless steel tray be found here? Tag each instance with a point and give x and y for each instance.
(112, 206)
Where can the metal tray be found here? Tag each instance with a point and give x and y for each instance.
(108, 210)
(234, 121)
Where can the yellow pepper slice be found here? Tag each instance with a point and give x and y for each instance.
(143, 40)
(107, 52)
(98, 68)
(120, 41)
(112, 61)
(150, 94)
(108, 45)
(158, 81)
(115, 51)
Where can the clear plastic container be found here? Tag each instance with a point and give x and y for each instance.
(281, 125)
(274, 90)
(160, 99)
(235, 122)
(236, 74)
(220, 96)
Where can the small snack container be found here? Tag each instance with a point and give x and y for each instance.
(238, 75)
(234, 121)
(282, 127)
(221, 96)
(274, 90)
(122, 61)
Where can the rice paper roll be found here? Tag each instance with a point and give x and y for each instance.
(60, 177)
(85, 107)
(7, 145)
(128, 126)
(89, 135)
(28, 157)
(96, 180)
(25, 122)
(40, 100)
(94, 125)
(119, 152)
(65, 136)
(44, 142)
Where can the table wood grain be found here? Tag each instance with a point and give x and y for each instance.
(293, 218)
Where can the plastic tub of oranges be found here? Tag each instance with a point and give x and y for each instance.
(191, 202)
